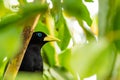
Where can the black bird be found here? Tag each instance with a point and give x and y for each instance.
(32, 60)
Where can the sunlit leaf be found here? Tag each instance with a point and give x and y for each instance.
(77, 9)
(94, 58)
(89, 59)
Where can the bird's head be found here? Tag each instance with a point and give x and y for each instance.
(41, 38)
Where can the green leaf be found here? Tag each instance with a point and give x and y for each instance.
(9, 19)
(64, 59)
(10, 41)
(77, 9)
(116, 25)
(89, 34)
(2, 67)
(62, 31)
(63, 35)
(57, 7)
(49, 54)
(25, 11)
(89, 0)
(93, 58)
(108, 20)
(89, 59)
(56, 11)
(32, 8)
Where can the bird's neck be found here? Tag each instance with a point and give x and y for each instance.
(36, 46)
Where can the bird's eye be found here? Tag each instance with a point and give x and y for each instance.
(39, 34)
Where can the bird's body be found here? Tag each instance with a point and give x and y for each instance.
(32, 60)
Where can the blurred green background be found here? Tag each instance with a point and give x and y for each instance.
(89, 45)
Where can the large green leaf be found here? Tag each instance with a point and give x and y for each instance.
(89, 59)
(95, 58)
(10, 41)
(77, 9)
(63, 35)
(25, 11)
(62, 31)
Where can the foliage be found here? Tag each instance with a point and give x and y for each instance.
(61, 61)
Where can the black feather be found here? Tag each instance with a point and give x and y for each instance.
(32, 60)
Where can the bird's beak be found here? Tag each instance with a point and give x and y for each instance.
(51, 38)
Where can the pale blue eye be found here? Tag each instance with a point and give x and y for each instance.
(39, 34)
